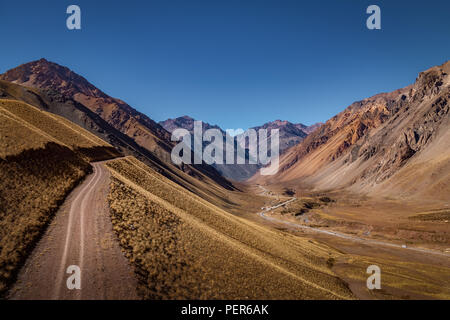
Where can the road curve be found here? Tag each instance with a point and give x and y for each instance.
(262, 214)
(81, 234)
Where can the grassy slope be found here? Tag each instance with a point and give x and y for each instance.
(185, 247)
(42, 158)
(198, 180)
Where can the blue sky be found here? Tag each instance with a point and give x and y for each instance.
(233, 63)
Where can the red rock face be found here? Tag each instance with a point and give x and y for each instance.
(376, 137)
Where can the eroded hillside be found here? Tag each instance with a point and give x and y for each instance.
(375, 145)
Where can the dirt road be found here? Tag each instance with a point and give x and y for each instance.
(80, 235)
(262, 214)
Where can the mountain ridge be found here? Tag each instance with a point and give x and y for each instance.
(44, 74)
(374, 139)
(64, 85)
(290, 135)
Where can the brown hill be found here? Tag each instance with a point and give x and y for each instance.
(48, 75)
(199, 251)
(132, 131)
(392, 143)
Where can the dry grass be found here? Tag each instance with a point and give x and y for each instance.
(151, 236)
(25, 127)
(49, 126)
(300, 207)
(42, 158)
(399, 279)
(439, 215)
(32, 186)
(184, 247)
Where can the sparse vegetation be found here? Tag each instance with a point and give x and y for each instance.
(152, 239)
(42, 158)
(326, 199)
(32, 186)
(289, 192)
(303, 205)
(184, 247)
(439, 215)
(330, 262)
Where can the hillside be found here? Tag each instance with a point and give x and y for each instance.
(201, 251)
(42, 158)
(44, 74)
(390, 144)
(56, 103)
(148, 139)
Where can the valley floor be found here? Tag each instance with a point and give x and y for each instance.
(408, 241)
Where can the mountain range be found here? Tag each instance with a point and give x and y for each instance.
(374, 145)
(66, 93)
(90, 187)
(290, 134)
(361, 148)
(136, 130)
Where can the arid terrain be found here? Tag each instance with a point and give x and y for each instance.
(43, 157)
(416, 256)
(80, 234)
(87, 180)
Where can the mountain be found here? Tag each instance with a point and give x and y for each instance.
(308, 129)
(44, 74)
(185, 122)
(392, 143)
(290, 135)
(60, 87)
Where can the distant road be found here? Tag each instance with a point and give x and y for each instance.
(262, 214)
(81, 234)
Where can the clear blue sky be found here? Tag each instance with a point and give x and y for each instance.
(233, 63)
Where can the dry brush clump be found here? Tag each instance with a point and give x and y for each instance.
(98, 153)
(237, 258)
(438, 215)
(33, 184)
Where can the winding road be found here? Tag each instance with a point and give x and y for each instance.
(80, 235)
(263, 215)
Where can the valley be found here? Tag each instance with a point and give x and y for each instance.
(87, 181)
(414, 270)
